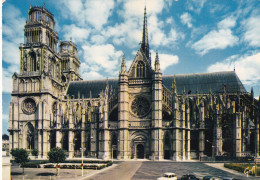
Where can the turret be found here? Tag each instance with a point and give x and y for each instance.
(39, 28)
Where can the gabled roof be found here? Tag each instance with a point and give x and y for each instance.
(204, 83)
(93, 87)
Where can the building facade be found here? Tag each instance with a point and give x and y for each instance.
(141, 114)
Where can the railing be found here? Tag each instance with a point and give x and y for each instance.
(139, 124)
(139, 81)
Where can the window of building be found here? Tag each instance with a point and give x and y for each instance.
(32, 61)
(140, 69)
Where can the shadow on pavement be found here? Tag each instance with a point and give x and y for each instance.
(16, 173)
(45, 174)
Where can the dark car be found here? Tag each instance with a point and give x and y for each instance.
(189, 177)
(210, 178)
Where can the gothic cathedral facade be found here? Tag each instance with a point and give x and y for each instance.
(141, 114)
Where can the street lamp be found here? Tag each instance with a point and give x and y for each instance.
(91, 138)
(82, 150)
(213, 148)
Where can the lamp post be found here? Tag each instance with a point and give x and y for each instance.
(91, 138)
(82, 150)
(213, 148)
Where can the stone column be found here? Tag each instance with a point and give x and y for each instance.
(183, 132)
(123, 115)
(83, 132)
(106, 134)
(201, 132)
(218, 135)
(176, 133)
(188, 134)
(71, 133)
(157, 96)
(58, 126)
(257, 150)
(237, 136)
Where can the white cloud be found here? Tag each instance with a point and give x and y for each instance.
(169, 20)
(215, 40)
(227, 23)
(252, 29)
(13, 24)
(95, 13)
(160, 37)
(129, 31)
(218, 39)
(186, 19)
(76, 33)
(92, 75)
(195, 5)
(247, 67)
(166, 60)
(101, 58)
(135, 8)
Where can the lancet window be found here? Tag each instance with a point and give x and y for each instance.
(140, 69)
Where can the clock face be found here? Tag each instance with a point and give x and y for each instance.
(140, 106)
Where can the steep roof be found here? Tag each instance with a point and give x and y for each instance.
(93, 87)
(204, 82)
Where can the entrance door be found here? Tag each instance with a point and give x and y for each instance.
(140, 151)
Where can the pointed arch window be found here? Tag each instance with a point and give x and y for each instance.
(32, 62)
(140, 69)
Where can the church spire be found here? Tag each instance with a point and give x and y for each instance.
(145, 44)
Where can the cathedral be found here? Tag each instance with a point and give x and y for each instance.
(141, 114)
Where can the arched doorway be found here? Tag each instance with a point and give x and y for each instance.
(140, 151)
(167, 146)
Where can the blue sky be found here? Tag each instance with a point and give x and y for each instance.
(191, 36)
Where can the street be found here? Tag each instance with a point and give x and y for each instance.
(135, 170)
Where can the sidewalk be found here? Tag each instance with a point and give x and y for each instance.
(44, 173)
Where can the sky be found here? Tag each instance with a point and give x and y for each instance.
(191, 36)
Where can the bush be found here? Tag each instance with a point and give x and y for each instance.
(78, 165)
(242, 166)
(34, 164)
(57, 155)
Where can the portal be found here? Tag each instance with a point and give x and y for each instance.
(140, 151)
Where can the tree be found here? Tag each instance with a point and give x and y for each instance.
(57, 155)
(5, 137)
(21, 156)
(35, 152)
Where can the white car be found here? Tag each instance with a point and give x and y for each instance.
(168, 176)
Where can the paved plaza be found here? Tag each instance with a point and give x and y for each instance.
(132, 170)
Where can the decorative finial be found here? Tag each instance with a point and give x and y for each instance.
(123, 66)
(174, 88)
(70, 39)
(157, 63)
(43, 6)
(234, 68)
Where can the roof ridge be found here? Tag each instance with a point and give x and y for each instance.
(219, 72)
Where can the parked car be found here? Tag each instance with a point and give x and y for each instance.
(229, 178)
(210, 178)
(189, 177)
(168, 176)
